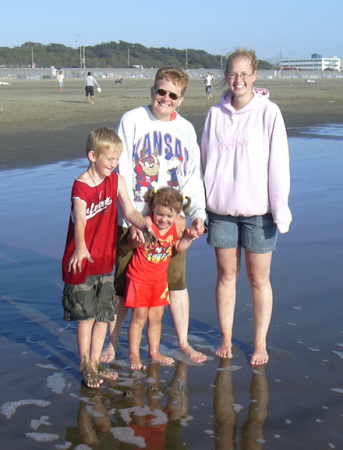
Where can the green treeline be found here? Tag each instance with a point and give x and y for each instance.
(110, 54)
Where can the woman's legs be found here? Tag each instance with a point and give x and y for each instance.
(114, 328)
(258, 272)
(179, 310)
(228, 266)
(155, 315)
(139, 316)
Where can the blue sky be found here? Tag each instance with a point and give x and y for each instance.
(297, 28)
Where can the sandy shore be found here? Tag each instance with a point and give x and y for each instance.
(32, 112)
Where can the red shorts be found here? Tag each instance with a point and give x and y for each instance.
(139, 295)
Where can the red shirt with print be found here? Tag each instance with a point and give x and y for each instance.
(100, 231)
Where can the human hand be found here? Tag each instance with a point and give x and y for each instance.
(135, 236)
(78, 256)
(190, 233)
(198, 225)
(145, 236)
(148, 234)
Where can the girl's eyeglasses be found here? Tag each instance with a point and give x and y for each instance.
(244, 76)
(162, 93)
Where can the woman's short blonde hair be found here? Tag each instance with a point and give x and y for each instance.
(173, 74)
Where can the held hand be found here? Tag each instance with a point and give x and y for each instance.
(191, 233)
(145, 236)
(75, 261)
(136, 236)
(149, 235)
(198, 225)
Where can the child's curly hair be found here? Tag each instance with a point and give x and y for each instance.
(170, 198)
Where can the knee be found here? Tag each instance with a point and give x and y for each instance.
(139, 322)
(155, 317)
(258, 281)
(139, 319)
(226, 276)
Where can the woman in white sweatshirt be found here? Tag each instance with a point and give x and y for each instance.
(245, 161)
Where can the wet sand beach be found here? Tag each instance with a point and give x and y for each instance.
(294, 402)
(33, 116)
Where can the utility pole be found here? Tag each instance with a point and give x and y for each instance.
(273, 48)
(32, 62)
(84, 51)
(277, 45)
(80, 51)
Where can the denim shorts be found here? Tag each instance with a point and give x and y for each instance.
(256, 234)
(92, 300)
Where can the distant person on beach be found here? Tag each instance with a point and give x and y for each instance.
(208, 85)
(88, 260)
(245, 160)
(89, 83)
(147, 290)
(159, 149)
(60, 81)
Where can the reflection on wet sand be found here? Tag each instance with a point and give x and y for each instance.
(93, 419)
(225, 423)
(177, 393)
(149, 423)
(131, 410)
(136, 409)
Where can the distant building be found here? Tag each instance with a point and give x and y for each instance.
(316, 62)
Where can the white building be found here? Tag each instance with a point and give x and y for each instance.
(316, 62)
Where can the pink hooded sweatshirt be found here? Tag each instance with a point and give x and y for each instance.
(245, 160)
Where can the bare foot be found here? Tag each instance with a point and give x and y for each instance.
(259, 356)
(158, 357)
(105, 373)
(225, 349)
(135, 363)
(89, 376)
(108, 354)
(192, 354)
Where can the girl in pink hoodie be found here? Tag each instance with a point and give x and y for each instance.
(245, 161)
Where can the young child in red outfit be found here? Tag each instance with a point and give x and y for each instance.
(147, 286)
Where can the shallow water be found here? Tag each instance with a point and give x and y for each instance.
(296, 403)
(328, 131)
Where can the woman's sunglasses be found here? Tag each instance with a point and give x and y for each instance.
(162, 93)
